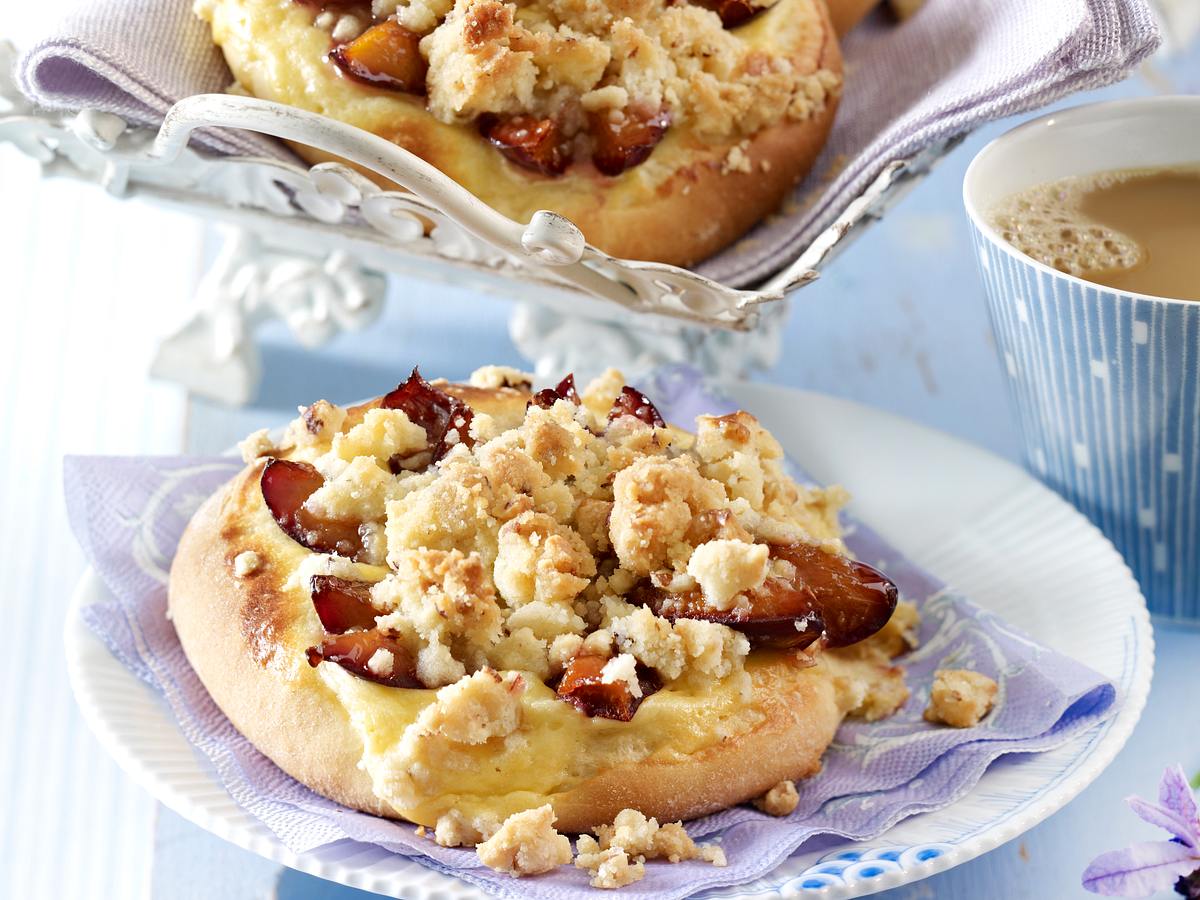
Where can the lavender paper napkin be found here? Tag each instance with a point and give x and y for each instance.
(952, 67)
(128, 514)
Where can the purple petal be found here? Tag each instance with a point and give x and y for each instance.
(1140, 870)
(1164, 818)
(1175, 794)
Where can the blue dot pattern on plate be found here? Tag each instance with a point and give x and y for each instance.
(846, 867)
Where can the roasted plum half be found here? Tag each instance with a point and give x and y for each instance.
(446, 420)
(564, 390)
(632, 402)
(285, 486)
(538, 145)
(828, 595)
(626, 141)
(342, 604)
(351, 635)
(732, 12)
(354, 649)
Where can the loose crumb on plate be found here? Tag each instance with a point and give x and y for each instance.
(526, 844)
(780, 800)
(616, 856)
(960, 698)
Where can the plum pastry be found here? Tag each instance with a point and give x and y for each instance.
(458, 604)
(629, 117)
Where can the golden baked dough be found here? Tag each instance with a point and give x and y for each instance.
(749, 107)
(520, 574)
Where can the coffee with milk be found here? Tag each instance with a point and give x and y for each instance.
(1135, 230)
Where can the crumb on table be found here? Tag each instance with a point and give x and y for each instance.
(960, 698)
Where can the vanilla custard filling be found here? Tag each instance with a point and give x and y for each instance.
(555, 749)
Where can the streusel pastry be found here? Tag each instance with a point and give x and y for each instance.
(663, 128)
(460, 602)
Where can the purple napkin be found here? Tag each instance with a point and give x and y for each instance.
(952, 67)
(128, 514)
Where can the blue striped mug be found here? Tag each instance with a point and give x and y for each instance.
(1105, 383)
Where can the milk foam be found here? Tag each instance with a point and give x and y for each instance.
(1047, 223)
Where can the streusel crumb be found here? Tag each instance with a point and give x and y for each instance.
(617, 855)
(780, 800)
(457, 830)
(960, 698)
(500, 377)
(246, 563)
(526, 844)
(256, 445)
(724, 569)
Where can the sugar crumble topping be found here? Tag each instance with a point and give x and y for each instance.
(246, 563)
(572, 58)
(781, 800)
(960, 698)
(516, 551)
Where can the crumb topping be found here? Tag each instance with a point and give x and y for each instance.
(246, 563)
(518, 552)
(780, 800)
(526, 844)
(256, 445)
(601, 73)
(501, 377)
(724, 569)
(382, 662)
(960, 698)
(616, 856)
(454, 829)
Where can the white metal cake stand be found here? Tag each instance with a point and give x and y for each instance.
(310, 245)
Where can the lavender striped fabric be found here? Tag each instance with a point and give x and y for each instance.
(949, 69)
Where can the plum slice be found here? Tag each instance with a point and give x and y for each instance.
(781, 615)
(845, 600)
(342, 604)
(564, 390)
(853, 598)
(627, 142)
(446, 419)
(532, 143)
(632, 402)
(732, 12)
(386, 55)
(285, 486)
(354, 649)
(582, 688)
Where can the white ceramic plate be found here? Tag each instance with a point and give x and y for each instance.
(973, 519)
